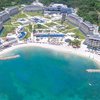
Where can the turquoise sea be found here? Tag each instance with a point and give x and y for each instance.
(43, 74)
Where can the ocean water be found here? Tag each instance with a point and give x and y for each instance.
(43, 74)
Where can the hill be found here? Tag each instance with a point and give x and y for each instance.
(88, 9)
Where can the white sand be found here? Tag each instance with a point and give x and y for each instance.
(64, 49)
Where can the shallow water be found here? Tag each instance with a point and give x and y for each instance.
(42, 74)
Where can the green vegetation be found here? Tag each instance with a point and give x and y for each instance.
(75, 43)
(27, 36)
(7, 3)
(11, 24)
(77, 33)
(50, 24)
(6, 30)
(39, 26)
(7, 22)
(39, 13)
(19, 15)
(70, 28)
(88, 9)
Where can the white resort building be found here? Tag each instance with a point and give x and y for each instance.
(58, 8)
(12, 10)
(1, 26)
(93, 41)
(75, 19)
(4, 16)
(35, 6)
(88, 28)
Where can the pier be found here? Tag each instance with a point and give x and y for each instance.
(11, 57)
(93, 70)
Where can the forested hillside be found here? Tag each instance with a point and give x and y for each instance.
(5, 3)
(88, 9)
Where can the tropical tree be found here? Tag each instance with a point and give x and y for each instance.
(75, 43)
(39, 25)
(30, 27)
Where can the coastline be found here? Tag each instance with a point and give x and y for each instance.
(64, 49)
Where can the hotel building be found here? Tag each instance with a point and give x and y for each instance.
(32, 8)
(4, 16)
(58, 8)
(88, 28)
(12, 10)
(93, 41)
(75, 19)
(1, 26)
(67, 10)
(35, 6)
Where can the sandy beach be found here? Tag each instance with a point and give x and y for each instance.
(64, 49)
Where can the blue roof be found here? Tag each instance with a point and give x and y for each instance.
(67, 10)
(49, 35)
(22, 35)
(62, 9)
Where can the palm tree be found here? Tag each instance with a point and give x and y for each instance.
(39, 26)
(75, 43)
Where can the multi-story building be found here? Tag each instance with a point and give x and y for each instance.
(58, 8)
(75, 19)
(93, 41)
(35, 6)
(67, 10)
(1, 26)
(32, 8)
(37, 3)
(4, 16)
(12, 10)
(88, 28)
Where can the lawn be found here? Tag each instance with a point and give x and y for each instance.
(27, 36)
(68, 25)
(50, 24)
(39, 13)
(7, 30)
(68, 29)
(39, 26)
(19, 15)
(8, 22)
(78, 33)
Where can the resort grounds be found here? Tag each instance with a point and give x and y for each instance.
(52, 22)
(51, 25)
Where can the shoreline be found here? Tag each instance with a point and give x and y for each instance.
(61, 48)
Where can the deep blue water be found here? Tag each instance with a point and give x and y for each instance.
(42, 74)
